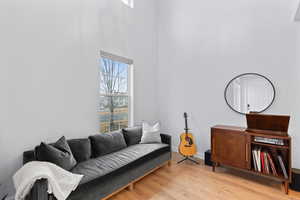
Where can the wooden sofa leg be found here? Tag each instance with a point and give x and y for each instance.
(131, 187)
(169, 163)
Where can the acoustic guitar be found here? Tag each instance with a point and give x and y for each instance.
(187, 145)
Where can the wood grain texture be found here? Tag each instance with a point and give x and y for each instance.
(197, 182)
(232, 146)
(131, 185)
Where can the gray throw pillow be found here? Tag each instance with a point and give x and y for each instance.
(151, 133)
(132, 135)
(58, 153)
(106, 143)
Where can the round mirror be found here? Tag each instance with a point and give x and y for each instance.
(249, 92)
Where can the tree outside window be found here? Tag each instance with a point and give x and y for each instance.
(114, 105)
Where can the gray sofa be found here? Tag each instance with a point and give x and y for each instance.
(105, 174)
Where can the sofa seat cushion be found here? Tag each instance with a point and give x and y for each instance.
(98, 167)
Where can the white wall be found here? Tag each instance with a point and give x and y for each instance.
(48, 67)
(204, 44)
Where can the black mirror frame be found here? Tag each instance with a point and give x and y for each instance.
(250, 74)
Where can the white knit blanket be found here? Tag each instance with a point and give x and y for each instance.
(60, 182)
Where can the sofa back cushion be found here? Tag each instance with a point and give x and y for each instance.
(81, 149)
(132, 135)
(106, 143)
(58, 153)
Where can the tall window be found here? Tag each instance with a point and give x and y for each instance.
(115, 110)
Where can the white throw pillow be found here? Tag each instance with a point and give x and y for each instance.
(151, 133)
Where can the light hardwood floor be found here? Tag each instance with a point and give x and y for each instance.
(188, 181)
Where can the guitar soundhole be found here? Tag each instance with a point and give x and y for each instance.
(189, 140)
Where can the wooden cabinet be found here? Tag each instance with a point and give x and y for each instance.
(230, 147)
(233, 146)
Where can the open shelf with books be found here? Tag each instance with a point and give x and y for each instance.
(270, 161)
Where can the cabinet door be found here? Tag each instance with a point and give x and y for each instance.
(230, 148)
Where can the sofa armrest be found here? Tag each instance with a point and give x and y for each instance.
(167, 139)
(39, 191)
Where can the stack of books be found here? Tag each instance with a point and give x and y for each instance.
(264, 163)
(269, 140)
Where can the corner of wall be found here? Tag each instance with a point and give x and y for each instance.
(297, 16)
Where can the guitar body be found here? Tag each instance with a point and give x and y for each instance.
(185, 148)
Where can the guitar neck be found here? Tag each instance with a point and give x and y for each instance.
(186, 126)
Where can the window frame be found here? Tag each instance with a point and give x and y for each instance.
(130, 82)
